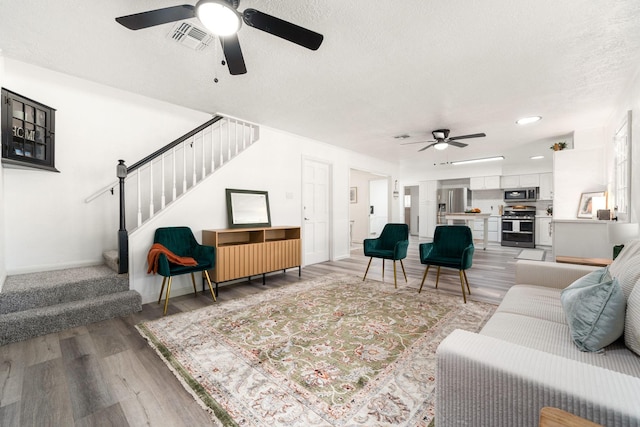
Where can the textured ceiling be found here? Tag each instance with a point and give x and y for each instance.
(385, 68)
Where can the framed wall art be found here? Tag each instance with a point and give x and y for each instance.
(248, 208)
(591, 202)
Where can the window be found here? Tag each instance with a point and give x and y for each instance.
(28, 132)
(622, 167)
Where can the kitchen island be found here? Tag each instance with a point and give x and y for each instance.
(469, 218)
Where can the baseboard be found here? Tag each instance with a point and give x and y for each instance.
(53, 267)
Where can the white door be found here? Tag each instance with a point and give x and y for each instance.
(378, 206)
(315, 199)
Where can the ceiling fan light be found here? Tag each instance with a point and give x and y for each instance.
(218, 16)
(440, 145)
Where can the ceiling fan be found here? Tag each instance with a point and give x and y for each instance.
(441, 140)
(223, 19)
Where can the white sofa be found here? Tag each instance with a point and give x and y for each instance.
(524, 359)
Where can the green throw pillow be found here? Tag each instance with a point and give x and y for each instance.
(595, 309)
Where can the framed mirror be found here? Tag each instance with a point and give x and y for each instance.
(248, 208)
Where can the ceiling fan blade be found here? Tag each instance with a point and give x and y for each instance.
(473, 135)
(415, 142)
(152, 18)
(424, 148)
(233, 54)
(283, 29)
(457, 144)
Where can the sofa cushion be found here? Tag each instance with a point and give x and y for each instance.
(535, 301)
(595, 310)
(632, 321)
(554, 338)
(626, 267)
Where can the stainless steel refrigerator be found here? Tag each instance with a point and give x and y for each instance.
(452, 200)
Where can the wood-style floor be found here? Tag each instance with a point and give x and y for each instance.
(105, 374)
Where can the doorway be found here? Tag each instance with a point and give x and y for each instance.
(316, 191)
(369, 205)
(378, 206)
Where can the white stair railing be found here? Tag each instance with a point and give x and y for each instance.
(164, 176)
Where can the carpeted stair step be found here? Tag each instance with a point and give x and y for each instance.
(111, 259)
(21, 325)
(27, 291)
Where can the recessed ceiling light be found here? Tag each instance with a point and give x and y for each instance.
(527, 120)
(536, 157)
(485, 159)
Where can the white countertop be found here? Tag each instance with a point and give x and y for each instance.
(582, 221)
(463, 215)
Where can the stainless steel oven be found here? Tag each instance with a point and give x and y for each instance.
(518, 226)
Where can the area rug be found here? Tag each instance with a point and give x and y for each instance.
(333, 351)
(531, 254)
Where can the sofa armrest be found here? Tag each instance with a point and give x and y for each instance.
(482, 381)
(549, 274)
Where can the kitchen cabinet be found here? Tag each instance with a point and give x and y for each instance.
(484, 182)
(530, 180)
(546, 186)
(493, 225)
(520, 181)
(544, 231)
(510, 181)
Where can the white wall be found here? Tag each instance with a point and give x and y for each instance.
(575, 172)
(3, 239)
(47, 223)
(630, 101)
(273, 164)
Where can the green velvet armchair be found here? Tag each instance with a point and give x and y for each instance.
(452, 247)
(392, 244)
(181, 242)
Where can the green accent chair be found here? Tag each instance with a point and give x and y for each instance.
(452, 247)
(392, 244)
(180, 241)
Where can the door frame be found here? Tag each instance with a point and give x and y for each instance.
(330, 239)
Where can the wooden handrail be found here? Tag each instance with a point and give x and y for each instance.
(169, 146)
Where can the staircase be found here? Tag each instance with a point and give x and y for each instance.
(37, 304)
(41, 303)
(164, 176)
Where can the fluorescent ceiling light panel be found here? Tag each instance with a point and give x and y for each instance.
(527, 120)
(485, 159)
(536, 157)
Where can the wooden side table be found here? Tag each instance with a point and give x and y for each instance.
(554, 417)
(598, 262)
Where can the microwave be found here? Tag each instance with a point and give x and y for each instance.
(521, 195)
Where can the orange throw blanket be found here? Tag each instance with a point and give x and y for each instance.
(154, 255)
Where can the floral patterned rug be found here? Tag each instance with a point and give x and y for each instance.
(333, 351)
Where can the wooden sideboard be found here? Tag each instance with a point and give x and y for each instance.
(246, 252)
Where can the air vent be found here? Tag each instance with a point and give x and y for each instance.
(190, 36)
